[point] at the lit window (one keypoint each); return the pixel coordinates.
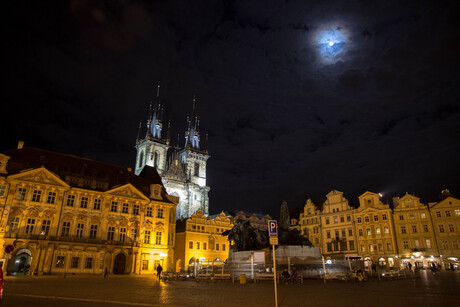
(368, 231)
(158, 238)
(60, 261)
(46, 224)
(147, 237)
(457, 212)
(422, 215)
(411, 216)
(21, 193)
(377, 230)
(428, 243)
(386, 230)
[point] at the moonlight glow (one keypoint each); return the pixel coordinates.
(331, 43)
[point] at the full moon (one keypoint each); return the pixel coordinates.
(331, 43)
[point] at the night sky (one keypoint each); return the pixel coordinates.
(298, 97)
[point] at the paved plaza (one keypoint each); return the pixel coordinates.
(425, 290)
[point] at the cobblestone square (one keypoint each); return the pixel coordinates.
(424, 290)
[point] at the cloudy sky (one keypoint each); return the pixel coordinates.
(298, 97)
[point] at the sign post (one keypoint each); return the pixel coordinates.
(273, 235)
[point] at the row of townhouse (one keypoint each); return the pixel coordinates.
(410, 232)
(65, 214)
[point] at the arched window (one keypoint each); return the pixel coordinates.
(141, 159)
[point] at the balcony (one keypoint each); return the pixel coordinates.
(417, 249)
(71, 239)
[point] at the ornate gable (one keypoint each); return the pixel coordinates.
(127, 190)
(40, 175)
(176, 170)
(3, 161)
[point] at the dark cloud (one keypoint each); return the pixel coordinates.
(283, 123)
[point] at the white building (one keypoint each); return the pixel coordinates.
(182, 170)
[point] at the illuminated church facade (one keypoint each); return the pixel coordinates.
(182, 170)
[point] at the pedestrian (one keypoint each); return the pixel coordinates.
(410, 266)
(159, 270)
(106, 272)
(433, 268)
(285, 276)
(360, 274)
(374, 268)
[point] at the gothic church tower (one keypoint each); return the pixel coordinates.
(184, 173)
(153, 149)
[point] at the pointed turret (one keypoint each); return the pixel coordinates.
(192, 134)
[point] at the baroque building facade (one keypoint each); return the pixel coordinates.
(410, 232)
(65, 214)
(337, 231)
(183, 170)
(199, 241)
(375, 232)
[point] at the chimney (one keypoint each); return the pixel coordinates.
(20, 144)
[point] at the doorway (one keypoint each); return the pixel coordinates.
(119, 264)
(21, 262)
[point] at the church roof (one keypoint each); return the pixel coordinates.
(66, 166)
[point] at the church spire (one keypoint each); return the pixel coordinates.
(192, 134)
(155, 120)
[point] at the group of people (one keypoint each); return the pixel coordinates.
(286, 276)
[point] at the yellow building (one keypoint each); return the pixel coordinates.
(445, 215)
(337, 233)
(65, 214)
(309, 223)
(375, 233)
(199, 241)
(414, 233)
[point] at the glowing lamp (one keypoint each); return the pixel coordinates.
(163, 255)
(202, 258)
(331, 44)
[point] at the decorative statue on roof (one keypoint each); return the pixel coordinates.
(284, 216)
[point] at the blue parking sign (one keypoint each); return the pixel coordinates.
(272, 228)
